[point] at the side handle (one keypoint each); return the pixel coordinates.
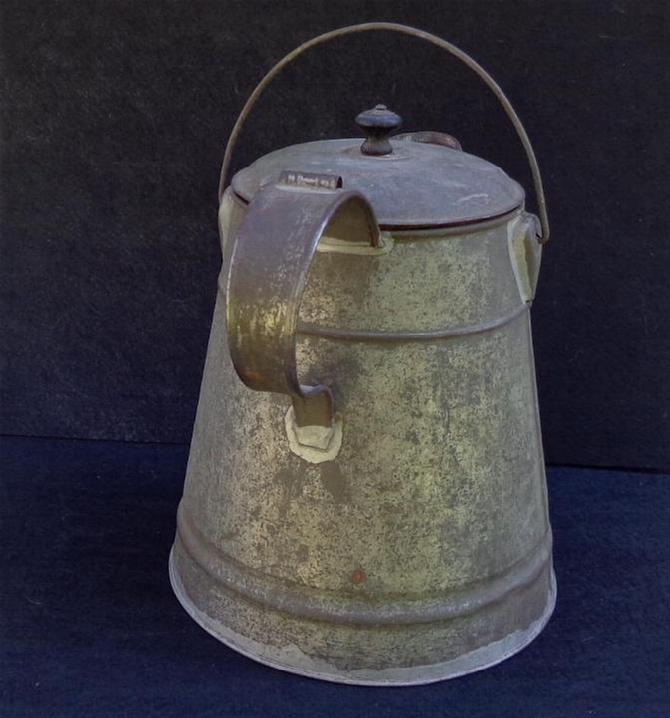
(267, 275)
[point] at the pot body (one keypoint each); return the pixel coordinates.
(422, 549)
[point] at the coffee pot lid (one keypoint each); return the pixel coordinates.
(419, 180)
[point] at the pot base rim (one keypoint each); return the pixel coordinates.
(477, 660)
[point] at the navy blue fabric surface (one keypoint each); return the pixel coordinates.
(90, 626)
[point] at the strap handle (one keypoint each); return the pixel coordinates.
(406, 30)
(267, 275)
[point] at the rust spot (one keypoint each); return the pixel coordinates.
(358, 576)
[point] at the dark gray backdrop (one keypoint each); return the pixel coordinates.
(114, 120)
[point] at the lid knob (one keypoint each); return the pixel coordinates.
(377, 124)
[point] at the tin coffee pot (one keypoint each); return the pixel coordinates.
(365, 499)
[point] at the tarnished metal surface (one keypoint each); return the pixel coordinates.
(290, 657)
(369, 506)
(423, 550)
(417, 185)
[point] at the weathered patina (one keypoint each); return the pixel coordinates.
(365, 499)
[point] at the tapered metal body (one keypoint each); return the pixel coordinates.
(365, 499)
